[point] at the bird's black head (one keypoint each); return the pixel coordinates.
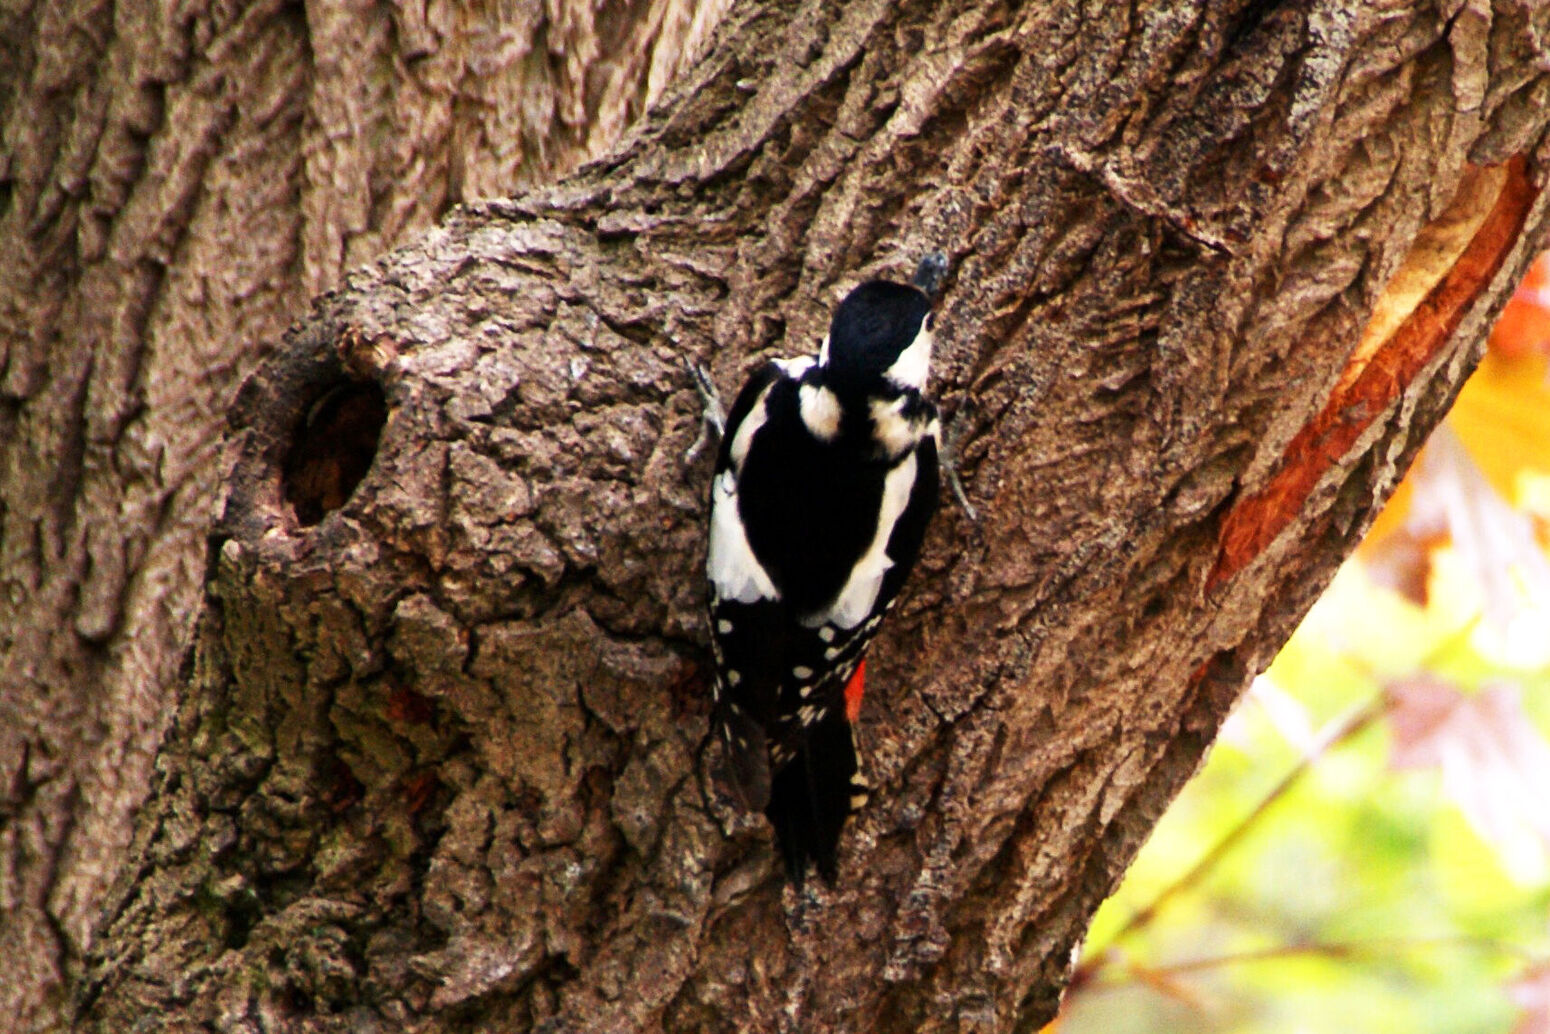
(880, 336)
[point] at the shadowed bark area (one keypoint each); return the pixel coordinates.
(440, 758)
(176, 180)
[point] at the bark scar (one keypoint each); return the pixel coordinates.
(1141, 197)
(1380, 370)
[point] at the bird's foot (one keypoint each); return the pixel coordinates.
(713, 421)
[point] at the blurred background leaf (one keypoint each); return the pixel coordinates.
(1368, 847)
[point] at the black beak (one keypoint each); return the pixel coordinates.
(930, 272)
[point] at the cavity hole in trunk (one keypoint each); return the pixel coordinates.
(333, 449)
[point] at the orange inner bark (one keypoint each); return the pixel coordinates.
(1374, 381)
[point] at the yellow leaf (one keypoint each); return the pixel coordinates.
(1503, 418)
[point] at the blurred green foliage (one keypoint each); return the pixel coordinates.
(1360, 899)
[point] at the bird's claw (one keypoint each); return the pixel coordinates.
(713, 422)
(949, 462)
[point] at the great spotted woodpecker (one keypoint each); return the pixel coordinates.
(823, 487)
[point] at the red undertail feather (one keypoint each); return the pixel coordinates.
(853, 693)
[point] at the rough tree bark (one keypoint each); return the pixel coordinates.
(176, 180)
(439, 761)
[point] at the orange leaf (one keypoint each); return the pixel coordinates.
(1524, 326)
(1522, 329)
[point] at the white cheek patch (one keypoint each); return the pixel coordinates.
(859, 594)
(734, 572)
(914, 363)
(823, 352)
(820, 411)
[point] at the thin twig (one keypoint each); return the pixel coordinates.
(1336, 732)
(1333, 734)
(1161, 976)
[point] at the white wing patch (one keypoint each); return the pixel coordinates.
(859, 594)
(734, 572)
(742, 438)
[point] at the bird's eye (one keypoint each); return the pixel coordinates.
(930, 320)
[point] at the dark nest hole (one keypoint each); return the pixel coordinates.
(333, 449)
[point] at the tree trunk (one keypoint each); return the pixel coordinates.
(175, 181)
(440, 757)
